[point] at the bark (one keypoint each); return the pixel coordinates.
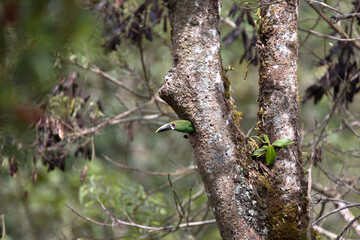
(196, 88)
(279, 111)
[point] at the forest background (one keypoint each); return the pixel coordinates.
(50, 50)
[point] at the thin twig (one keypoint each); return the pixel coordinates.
(328, 36)
(178, 206)
(158, 189)
(346, 213)
(332, 25)
(115, 120)
(87, 218)
(335, 200)
(187, 203)
(339, 129)
(302, 43)
(193, 197)
(325, 5)
(184, 171)
(337, 180)
(327, 233)
(250, 130)
(347, 226)
(345, 16)
(311, 203)
(335, 211)
(348, 125)
(228, 22)
(165, 228)
(97, 70)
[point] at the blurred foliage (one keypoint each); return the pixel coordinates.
(126, 201)
(30, 35)
(49, 51)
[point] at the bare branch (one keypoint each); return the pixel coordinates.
(178, 206)
(327, 233)
(228, 22)
(339, 129)
(328, 36)
(167, 228)
(334, 200)
(325, 5)
(97, 70)
(311, 203)
(349, 126)
(337, 180)
(184, 171)
(344, 16)
(348, 226)
(117, 119)
(87, 218)
(345, 214)
(335, 211)
(193, 197)
(132, 224)
(333, 26)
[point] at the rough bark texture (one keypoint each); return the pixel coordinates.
(195, 88)
(247, 204)
(278, 117)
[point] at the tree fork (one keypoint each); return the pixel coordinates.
(194, 88)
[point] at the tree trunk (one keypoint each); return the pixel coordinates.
(197, 89)
(278, 116)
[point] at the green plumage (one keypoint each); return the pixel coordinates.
(184, 126)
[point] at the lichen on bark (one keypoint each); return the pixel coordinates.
(246, 204)
(285, 194)
(197, 90)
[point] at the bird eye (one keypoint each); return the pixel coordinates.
(173, 124)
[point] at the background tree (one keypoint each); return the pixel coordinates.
(245, 193)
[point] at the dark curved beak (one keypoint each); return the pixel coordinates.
(165, 127)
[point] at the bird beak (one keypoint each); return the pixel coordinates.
(165, 127)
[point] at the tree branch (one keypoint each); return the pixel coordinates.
(342, 16)
(118, 119)
(327, 233)
(332, 25)
(185, 171)
(329, 37)
(335, 211)
(345, 213)
(97, 70)
(348, 226)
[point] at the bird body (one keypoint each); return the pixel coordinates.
(184, 126)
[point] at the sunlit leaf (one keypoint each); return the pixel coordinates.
(260, 151)
(270, 155)
(284, 142)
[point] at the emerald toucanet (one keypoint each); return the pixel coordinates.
(184, 126)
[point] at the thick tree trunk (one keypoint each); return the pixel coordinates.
(196, 88)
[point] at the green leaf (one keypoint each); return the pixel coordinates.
(284, 142)
(260, 151)
(270, 155)
(266, 138)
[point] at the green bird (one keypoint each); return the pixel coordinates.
(184, 126)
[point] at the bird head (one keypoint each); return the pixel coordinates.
(184, 126)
